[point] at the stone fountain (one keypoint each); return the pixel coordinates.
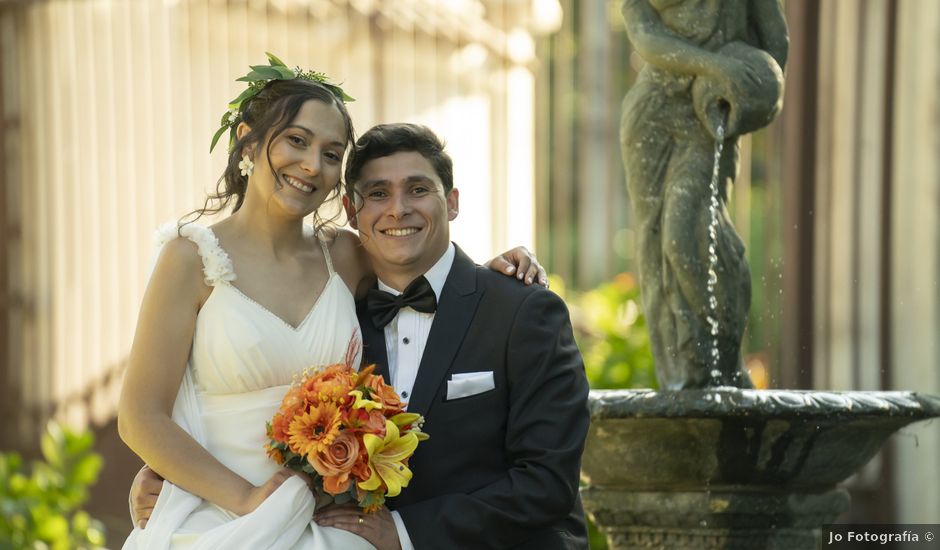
(710, 462)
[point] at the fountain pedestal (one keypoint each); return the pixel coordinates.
(727, 468)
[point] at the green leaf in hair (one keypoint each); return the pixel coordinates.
(259, 77)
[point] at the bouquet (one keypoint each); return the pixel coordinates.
(348, 431)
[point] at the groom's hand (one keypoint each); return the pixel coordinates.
(143, 496)
(378, 528)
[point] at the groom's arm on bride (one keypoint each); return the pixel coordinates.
(157, 361)
(546, 426)
(145, 489)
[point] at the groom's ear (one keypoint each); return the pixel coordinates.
(350, 209)
(453, 204)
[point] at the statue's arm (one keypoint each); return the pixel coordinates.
(766, 18)
(661, 47)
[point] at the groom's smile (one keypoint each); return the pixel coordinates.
(402, 232)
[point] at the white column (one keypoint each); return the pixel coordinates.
(915, 273)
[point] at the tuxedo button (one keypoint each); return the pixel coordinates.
(405, 340)
(404, 394)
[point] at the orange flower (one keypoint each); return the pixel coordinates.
(314, 430)
(333, 384)
(275, 454)
(361, 470)
(291, 406)
(336, 463)
(385, 394)
(293, 399)
(279, 425)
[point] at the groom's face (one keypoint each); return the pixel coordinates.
(403, 214)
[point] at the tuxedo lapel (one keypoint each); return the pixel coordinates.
(373, 342)
(455, 311)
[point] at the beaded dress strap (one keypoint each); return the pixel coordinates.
(326, 254)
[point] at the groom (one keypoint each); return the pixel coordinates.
(490, 363)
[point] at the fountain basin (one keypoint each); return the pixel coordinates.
(729, 468)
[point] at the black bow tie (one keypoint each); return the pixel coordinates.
(384, 306)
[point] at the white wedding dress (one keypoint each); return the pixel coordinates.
(242, 361)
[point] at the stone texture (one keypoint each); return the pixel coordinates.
(708, 62)
(730, 468)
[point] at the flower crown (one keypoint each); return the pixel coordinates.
(257, 79)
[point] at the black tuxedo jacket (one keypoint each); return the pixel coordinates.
(501, 468)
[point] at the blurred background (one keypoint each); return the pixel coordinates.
(107, 108)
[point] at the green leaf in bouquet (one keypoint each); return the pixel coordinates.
(347, 497)
(372, 498)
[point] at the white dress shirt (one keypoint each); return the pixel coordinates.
(407, 334)
(405, 339)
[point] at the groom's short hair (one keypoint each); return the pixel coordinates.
(387, 139)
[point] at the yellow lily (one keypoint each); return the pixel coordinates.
(361, 403)
(385, 459)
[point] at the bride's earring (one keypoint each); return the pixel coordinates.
(246, 166)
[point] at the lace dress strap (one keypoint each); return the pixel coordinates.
(216, 265)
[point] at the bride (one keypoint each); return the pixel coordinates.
(233, 311)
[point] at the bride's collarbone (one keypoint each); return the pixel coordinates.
(288, 287)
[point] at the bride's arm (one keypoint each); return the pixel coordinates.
(155, 369)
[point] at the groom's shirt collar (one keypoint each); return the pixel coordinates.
(437, 275)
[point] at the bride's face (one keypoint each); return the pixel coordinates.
(306, 161)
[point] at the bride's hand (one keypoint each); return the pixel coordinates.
(521, 262)
(256, 495)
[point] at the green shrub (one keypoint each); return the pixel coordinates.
(611, 332)
(42, 508)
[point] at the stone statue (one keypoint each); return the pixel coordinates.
(710, 63)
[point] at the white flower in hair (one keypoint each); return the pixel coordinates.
(246, 166)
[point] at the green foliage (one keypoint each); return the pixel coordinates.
(41, 509)
(611, 332)
(257, 79)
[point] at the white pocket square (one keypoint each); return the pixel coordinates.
(465, 384)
